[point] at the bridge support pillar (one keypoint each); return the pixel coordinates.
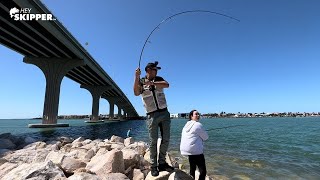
(111, 110)
(124, 110)
(54, 70)
(96, 92)
(123, 114)
(119, 113)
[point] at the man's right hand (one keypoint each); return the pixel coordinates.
(138, 73)
(136, 86)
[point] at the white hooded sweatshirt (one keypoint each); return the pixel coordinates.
(192, 138)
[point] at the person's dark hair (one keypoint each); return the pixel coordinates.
(152, 65)
(191, 114)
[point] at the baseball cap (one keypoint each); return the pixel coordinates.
(152, 65)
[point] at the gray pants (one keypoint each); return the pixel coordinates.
(157, 120)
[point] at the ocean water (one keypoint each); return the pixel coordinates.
(237, 148)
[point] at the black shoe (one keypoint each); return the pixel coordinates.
(154, 171)
(165, 167)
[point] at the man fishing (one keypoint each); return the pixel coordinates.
(151, 89)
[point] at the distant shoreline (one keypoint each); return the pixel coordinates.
(249, 115)
(204, 117)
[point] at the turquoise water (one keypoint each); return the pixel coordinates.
(252, 148)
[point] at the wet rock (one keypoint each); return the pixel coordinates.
(6, 144)
(4, 152)
(5, 136)
(29, 140)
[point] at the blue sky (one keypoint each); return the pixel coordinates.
(268, 62)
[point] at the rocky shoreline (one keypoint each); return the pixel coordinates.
(80, 159)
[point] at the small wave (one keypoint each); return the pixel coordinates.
(250, 163)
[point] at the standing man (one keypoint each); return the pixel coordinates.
(151, 89)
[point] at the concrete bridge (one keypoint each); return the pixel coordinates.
(48, 45)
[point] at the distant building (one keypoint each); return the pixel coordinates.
(183, 115)
(174, 115)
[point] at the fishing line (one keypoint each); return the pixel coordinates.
(224, 127)
(184, 12)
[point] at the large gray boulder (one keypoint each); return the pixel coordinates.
(115, 176)
(70, 164)
(27, 156)
(36, 145)
(6, 168)
(84, 176)
(140, 147)
(55, 157)
(89, 145)
(130, 158)
(116, 139)
(117, 145)
(128, 141)
(39, 171)
(111, 162)
(77, 153)
(87, 141)
(76, 144)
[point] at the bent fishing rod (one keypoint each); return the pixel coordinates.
(184, 12)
